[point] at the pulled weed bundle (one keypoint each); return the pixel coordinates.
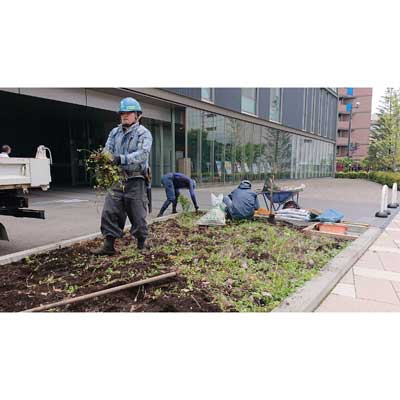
(106, 174)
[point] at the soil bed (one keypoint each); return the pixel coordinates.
(243, 266)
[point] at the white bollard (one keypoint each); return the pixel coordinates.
(382, 212)
(394, 203)
(386, 188)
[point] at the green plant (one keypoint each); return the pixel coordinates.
(384, 148)
(71, 289)
(28, 260)
(346, 162)
(365, 163)
(352, 175)
(185, 203)
(157, 293)
(385, 178)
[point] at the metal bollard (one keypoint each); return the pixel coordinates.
(382, 212)
(394, 203)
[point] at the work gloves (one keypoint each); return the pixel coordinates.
(117, 160)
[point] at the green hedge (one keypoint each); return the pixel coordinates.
(384, 178)
(352, 175)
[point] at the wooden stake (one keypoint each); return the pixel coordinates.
(102, 292)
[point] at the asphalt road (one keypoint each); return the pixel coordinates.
(73, 212)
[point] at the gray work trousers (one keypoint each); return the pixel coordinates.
(131, 202)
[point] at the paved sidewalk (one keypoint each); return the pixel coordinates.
(373, 283)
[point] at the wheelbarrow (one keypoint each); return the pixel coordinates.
(280, 198)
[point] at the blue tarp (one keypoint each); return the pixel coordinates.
(330, 216)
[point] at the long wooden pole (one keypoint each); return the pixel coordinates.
(103, 292)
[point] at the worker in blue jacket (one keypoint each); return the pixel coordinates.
(172, 182)
(130, 145)
(242, 202)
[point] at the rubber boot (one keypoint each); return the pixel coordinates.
(174, 208)
(160, 214)
(141, 244)
(107, 249)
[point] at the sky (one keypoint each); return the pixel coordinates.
(377, 93)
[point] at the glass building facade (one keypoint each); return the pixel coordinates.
(217, 135)
(227, 150)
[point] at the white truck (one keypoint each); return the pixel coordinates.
(17, 176)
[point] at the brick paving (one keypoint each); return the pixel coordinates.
(373, 283)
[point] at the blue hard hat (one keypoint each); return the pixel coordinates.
(129, 104)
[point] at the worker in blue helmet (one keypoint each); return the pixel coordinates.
(130, 145)
(129, 104)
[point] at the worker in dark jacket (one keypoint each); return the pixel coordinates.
(172, 182)
(242, 202)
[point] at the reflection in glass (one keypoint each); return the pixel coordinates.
(207, 94)
(275, 105)
(249, 100)
(227, 150)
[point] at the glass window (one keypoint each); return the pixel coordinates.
(194, 134)
(208, 128)
(275, 105)
(239, 144)
(234, 133)
(293, 139)
(307, 157)
(318, 157)
(309, 109)
(249, 100)
(266, 153)
(229, 148)
(305, 111)
(298, 157)
(207, 94)
(255, 168)
(301, 159)
(248, 151)
(282, 154)
(313, 160)
(167, 150)
(320, 111)
(327, 116)
(325, 159)
(219, 148)
(313, 109)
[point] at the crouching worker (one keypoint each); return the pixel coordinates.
(130, 144)
(242, 202)
(172, 182)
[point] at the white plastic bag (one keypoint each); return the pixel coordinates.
(216, 216)
(217, 200)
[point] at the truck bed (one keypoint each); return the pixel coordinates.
(24, 173)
